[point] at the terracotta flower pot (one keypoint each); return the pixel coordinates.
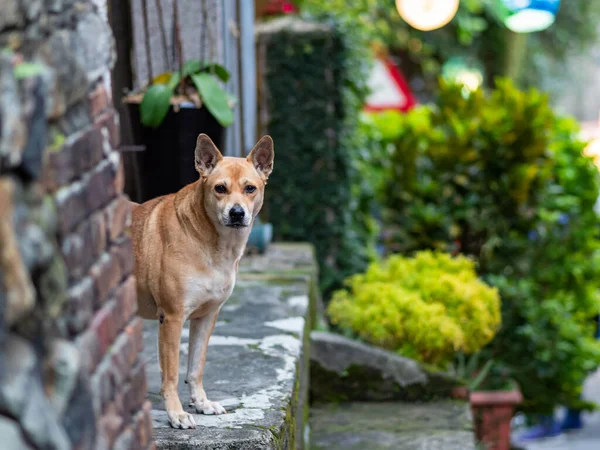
(492, 413)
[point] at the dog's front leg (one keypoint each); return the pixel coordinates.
(169, 338)
(200, 332)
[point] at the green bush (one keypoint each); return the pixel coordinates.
(427, 307)
(315, 77)
(501, 178)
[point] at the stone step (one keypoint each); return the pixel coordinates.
(440, 425)
(255, 365)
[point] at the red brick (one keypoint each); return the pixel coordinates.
(98, 231)
(59, 169)
(71, 206)
(103, 325)
(89, 350)
(126, 298)
(135, 394)
(80, 306)
(106, 274)
(138, 379)
(147, 412)
(135, 333)
(120, 176)
(143, 425)
(87, 151)
(110, 121)
(110, 425)
(118, 217)
(120, 359)
(101, 188)
(99, 100)
(102, 386)
(123, 251)
(76, 253)
(125, 441)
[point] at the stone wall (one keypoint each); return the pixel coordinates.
(70, 371)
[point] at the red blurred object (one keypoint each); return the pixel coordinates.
(389, 88)
(278, 7)
(492, 413)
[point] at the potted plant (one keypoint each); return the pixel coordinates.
(493, 397)
(168, 115)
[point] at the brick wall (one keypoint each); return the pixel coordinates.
(71, 375)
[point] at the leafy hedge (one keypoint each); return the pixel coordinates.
(427, 307)
(499, 177)
(315, 80)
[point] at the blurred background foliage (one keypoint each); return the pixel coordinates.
(493, 174)
(475, 35)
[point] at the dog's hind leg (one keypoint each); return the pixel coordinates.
(200, 332)
(169, 338)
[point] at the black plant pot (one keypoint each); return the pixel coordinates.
(167, 163)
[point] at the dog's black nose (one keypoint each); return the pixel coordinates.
(236, 213)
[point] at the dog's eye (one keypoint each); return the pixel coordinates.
(250, 189)
(220, 189)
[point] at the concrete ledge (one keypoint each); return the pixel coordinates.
(345, 370)
(257, 364)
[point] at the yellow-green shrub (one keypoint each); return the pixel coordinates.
(426, 307)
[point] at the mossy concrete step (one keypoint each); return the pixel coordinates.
(257, 365)
(441, 425)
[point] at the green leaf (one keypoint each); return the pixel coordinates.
(27, 70)
(213, 97)
(174, 81)
(219, 71)
(194, 66)
(155, 105)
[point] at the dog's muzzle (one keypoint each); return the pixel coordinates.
(237, 217)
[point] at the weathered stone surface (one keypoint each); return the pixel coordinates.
(67, 81)
(392, 426)
(35, 92)
(12, 438)
(53, 392)
(254, 369)
(62, 371)
(77, 419)
(16, 282)
(13, 134)
(346, 370)
(11, 14)
(22, 396)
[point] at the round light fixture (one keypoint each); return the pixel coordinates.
(427, 15)
(527, 16)
(465, 73)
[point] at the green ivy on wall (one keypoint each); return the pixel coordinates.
(315, 79)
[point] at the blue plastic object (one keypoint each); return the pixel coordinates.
(260, 236)
(527, 16)
(547, 427)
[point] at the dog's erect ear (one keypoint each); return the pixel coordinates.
(262, 156)
(207, 155)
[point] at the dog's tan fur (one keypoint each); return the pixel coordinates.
(187, 255)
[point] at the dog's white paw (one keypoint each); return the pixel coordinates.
(181, 419)
(209, 408)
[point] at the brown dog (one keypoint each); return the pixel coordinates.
(187, 249)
